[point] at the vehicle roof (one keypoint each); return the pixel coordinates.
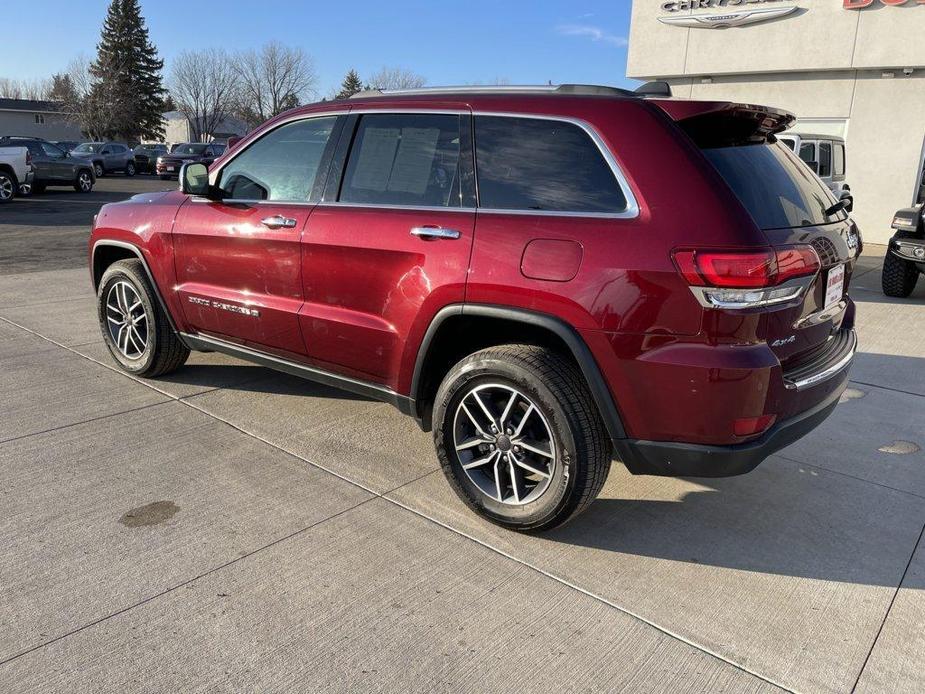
(812, 136)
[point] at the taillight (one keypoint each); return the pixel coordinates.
(28, 158)
(747, 279)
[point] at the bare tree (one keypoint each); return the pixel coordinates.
(24, 89)
(204, 84)
(396, 78)
(273, 79)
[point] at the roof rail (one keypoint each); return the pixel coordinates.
(657, 88)
(580, 89)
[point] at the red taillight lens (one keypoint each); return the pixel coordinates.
(745, 269)
(747, 426)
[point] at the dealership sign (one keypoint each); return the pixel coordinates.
(729, 18)
(861, 4)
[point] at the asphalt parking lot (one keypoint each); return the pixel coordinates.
(229, 528)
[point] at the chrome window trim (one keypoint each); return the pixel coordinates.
(828, 372)
(630, 212)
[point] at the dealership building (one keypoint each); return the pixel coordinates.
(851, 68)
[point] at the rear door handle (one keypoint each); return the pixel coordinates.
(434, 233)
(277, 221)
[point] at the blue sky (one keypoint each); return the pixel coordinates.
(447, 43)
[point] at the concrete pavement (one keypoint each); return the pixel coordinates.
(233, 529)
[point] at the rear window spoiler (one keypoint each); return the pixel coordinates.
(725, 124)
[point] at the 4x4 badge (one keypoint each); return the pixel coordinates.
(784, 341)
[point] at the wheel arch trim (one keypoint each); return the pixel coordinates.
(137, 252)
(580, 351)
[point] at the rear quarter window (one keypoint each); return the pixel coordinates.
(543, 165)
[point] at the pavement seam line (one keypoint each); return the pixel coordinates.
(888, 610)
(562, 581)
(895, 390)
(83, 421)
(46, 303)
(171, 589)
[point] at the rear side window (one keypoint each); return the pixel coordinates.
(539, 164)
(281, 165)
(773, 185)
(808, 152)
(409, 159)
(825, 158)
(838, 159)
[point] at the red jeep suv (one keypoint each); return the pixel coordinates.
(546, 277)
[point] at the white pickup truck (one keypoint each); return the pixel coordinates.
(15, 172)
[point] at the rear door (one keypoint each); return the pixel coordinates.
(238, 260)
(389, 244)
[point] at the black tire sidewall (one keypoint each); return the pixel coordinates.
(476, 371)
(98, 170)
(116, 272)
(130, 169)
(5, 175)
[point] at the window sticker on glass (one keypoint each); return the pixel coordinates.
(374, 163)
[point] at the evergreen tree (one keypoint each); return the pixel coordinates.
(351, 85)
(62, 90)
(127, 94)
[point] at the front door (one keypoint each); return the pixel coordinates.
(238, 258)
(390, 243)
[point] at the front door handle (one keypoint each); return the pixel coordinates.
(434, 233)
(277, 221)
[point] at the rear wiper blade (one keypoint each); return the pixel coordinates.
(838, 206)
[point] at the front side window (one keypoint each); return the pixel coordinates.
(88, 148)
(52, 151)
(825, 159)
(538, 164)
(409, 159)
(839, 159)
(281, 165)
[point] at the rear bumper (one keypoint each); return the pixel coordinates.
(674, 459)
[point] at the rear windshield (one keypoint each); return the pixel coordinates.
(190, 149)
(777, 189)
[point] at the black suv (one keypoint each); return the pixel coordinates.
(53, 166)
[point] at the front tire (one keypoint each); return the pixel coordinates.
(134, 327)
(519, 437)
(84, 181)
(899, 276)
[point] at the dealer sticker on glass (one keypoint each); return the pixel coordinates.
(835, 285)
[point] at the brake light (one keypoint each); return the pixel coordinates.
(747, 279)
(748, 269)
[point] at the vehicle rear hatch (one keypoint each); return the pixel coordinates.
(792, 207)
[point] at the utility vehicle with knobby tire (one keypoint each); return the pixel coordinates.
(546, 278)
(905, 256)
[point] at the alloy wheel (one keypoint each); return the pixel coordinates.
(6, 188)
(85, 182)
(504, 444)
(98, 170)
(126, 320)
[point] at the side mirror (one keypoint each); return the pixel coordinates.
(814, 165)
(849, 203)
(194, 179)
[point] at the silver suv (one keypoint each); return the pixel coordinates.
(106, 157)
(825, 155)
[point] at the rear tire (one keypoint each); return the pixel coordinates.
(549, 454)
(134, 327)
(899, 276)
(98, 170)
(8, 188)
(130, 169)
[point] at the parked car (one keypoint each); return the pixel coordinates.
(106, 157)
(826, 156)
(52, 166)
(564, 301)
(66, 145)
(146, 157)
(15, 172)
(168, 165)
(905, 257)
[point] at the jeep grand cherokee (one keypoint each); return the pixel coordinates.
(546, 278)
